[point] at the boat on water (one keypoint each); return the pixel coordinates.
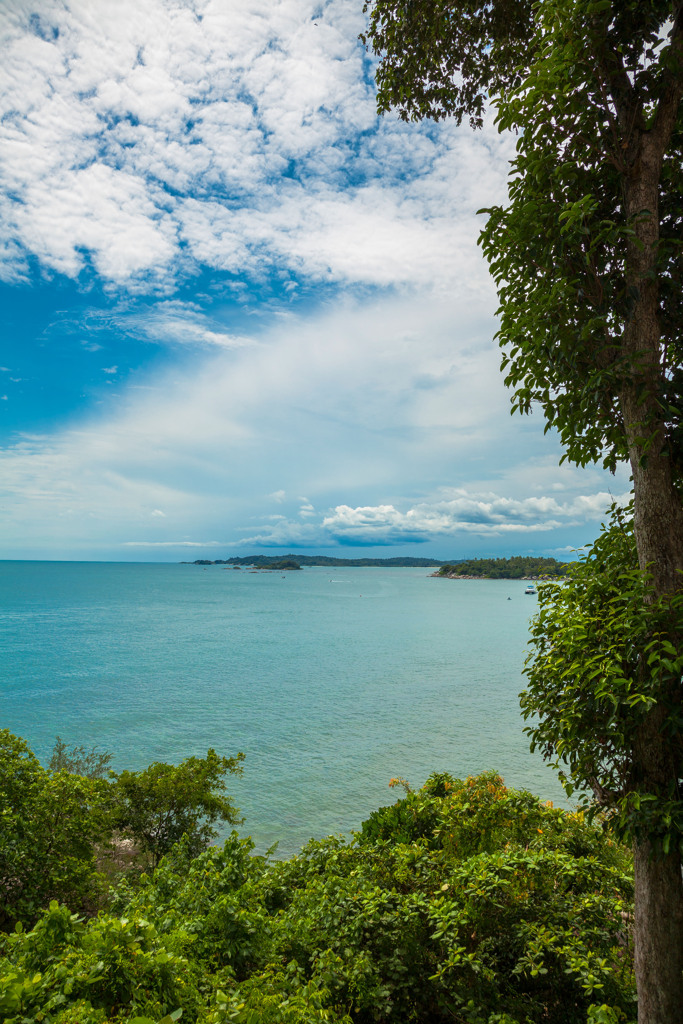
(531, 589)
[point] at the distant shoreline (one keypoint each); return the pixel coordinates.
(507, 579)
(265, 561)
(519, 567)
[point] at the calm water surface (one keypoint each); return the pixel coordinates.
(330, 681)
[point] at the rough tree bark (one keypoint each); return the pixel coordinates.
(658, 523)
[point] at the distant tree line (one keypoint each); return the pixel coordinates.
(517, 568)
(266, 561)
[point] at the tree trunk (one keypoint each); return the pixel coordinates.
(657, 931)
(658, 521)
(658, 512)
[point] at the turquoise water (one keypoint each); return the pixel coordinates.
(330, 681)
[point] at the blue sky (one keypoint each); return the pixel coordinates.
(241, 313)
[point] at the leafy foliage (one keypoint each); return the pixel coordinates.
(164, 802)
(54, 823)
(463, 901)
(601, 660)
(107, 966)
(442, 59)
(584, 84)
(90, 763)
(565, 239)
(50, 823)
(588, 263)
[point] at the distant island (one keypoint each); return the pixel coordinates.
(520, 567)
(275, 561)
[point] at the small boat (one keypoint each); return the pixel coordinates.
(530, 589)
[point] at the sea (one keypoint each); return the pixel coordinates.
(332, 681)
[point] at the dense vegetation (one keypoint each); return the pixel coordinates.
(517, 568)
(54, 823)
(462, 902)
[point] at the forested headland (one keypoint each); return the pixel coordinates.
(519, 567)
(461, 901)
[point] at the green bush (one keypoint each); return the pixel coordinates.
(164, 802)
(463, 901)
(476, 902)
(110, 965)
(50, 824)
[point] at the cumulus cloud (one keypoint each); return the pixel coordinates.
(144, 138)
(467, 514)
(483, 515)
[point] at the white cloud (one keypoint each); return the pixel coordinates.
(489, 514)
(167, 321)
(148, 136)
(337, 406)
(176, 322)
(469, 515)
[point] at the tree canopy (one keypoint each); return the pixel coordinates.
(162, 803)
(50, 823)
(57, 822)
(593, 90)
(79, 760)
(588, 260)
(443, 59)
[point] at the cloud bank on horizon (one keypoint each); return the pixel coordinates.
(242, 311)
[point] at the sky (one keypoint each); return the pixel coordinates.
(240, 313)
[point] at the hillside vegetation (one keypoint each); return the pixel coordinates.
(517, 568)
(462, 902)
